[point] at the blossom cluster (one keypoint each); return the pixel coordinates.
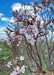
(19, 69)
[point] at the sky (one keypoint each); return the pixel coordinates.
(5, 8)
(5, 13)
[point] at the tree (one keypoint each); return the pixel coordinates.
(31, 28)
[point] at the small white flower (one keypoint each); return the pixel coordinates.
(23, 69)
(8, 44)
(46, 51)
(5, 58)
(51, 63)
(42, 21)
(22, 58)
(14, 73)
(32, 41)
(35, 31)
(0, 49)
(17, 45)
(28, 37)
(17, 69)
(9, 64)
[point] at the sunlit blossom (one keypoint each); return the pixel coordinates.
(0, 49)
(23, 69)
(14, 73)
(28, 36)
(41, 26)
(5, 58)
(22, 58)
(17, 69)
(26, 67)
(32, 41)
(22, 31)
(9, 64)
(17, 44)
(51, 63)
